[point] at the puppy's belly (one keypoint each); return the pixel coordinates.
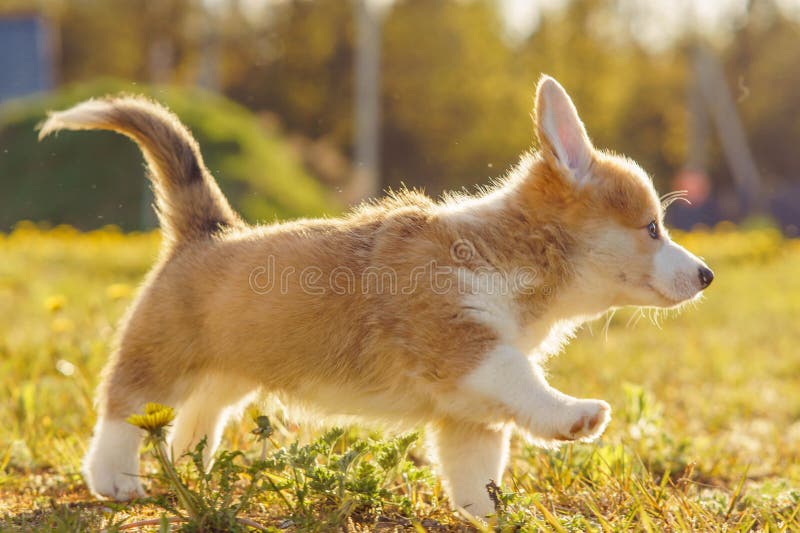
(392, 405)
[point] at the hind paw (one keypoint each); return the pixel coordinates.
(111, 466)
(119, 487)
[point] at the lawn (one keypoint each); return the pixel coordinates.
(705, 433)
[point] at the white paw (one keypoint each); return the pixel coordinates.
(116, 486)
(111, 467)
(478, 505)
(586, 421)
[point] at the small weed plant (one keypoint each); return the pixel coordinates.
(318, 486)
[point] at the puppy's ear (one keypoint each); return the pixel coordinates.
(565, 145)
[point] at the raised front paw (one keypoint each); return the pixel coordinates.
(587, 419)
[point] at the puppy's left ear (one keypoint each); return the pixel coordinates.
(565, 144)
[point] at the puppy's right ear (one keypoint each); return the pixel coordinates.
(565, 145)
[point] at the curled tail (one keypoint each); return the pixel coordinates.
(189, 202)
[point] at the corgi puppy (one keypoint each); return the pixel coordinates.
(406, 309)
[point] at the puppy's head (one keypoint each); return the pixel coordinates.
(623, 253)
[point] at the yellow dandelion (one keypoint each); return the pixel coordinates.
(152, 407)
(154, 419)
(55, 302)
(253, 412)
(62, 325)
(118, 291)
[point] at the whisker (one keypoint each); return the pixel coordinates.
(671, 197)
(635, 317)
(654, 317)
(610, 315)
(672, 194)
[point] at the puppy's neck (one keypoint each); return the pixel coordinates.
(520, 230)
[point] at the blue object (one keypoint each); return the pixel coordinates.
(26, 62)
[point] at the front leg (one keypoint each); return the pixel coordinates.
(507, 380)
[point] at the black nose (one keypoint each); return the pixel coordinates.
(706, 277)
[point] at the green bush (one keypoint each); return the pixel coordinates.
(90, 179)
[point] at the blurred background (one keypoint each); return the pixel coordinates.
(303, 107)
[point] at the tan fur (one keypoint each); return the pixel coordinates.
(392, 354)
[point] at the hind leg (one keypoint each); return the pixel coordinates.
(197, 418)
(469, 456)
(204, 415)
(111, 465)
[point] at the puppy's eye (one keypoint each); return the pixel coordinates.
(652, 229)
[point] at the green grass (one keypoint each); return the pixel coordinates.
(705, 434)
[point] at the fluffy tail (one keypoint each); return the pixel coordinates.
(188, 201)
